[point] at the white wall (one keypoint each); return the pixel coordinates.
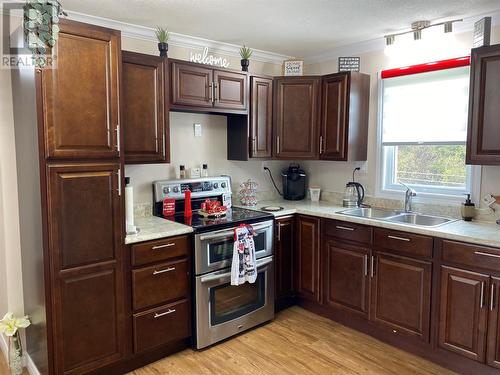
(333, 176)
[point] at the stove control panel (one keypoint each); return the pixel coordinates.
(199, 187)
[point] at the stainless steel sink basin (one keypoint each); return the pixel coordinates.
(418, 219)
(410, 218)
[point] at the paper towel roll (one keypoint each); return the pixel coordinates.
(129, 210)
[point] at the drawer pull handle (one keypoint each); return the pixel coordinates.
(345, 228)
(399, 238)
(170, 311)
(486, 254)
(163, 246)
(169, 269)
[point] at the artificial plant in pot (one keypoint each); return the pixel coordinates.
(162, 35)
(245, 54)
(9, 326)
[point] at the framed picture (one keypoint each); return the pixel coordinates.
(293, 68)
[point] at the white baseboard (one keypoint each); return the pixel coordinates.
(28, 362)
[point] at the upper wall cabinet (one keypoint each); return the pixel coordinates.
(145, 108)
(483, 136)
(344, 116)
(195, 87)
(80, 98)
(261, 117)
(296, 109)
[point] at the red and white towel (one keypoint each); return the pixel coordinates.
(244, 266)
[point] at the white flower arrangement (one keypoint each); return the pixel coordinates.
(9, 325)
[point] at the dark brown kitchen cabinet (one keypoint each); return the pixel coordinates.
(84, 232)
(483, 134)
(79, 106)
(493, 347)
(463, 313)
(346, 280)
(296, 117)
(401, 294)
(283, 252)
(145, 108)
(261, 117)
(344, 116)
(230, 90)
(307, 259)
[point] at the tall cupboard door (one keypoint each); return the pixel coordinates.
(284, 241)
(261, 117)
(85, 238)
(79, 99)
(230, 90)
(483, 135)
(493, 349)
(192, 85)
(308, 258)
(145, 109)
(296, 108)
(463, 312)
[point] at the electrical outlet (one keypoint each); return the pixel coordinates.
(197, 130)
(263, 166)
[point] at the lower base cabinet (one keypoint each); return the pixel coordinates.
(307, 258)
(283, 253)
(493, 345)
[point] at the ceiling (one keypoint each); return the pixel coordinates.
(300, 28)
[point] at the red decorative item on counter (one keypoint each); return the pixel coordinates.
(168, 207)
(187, 204)
(212, 208)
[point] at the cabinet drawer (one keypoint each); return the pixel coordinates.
(348, 231)
(161, 250)
(160, 326)
(471, 255)
(159, 283)
(403, 242)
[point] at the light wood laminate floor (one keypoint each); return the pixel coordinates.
(296, 342)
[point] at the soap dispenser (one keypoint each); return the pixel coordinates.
(468, 209)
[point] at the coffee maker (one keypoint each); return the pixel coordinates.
(294, 183)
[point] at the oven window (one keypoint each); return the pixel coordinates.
(228, 302)
(223, 249)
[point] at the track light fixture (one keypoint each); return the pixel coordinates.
(417, 27)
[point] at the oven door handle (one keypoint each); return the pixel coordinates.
(208, 278)
(231, 232)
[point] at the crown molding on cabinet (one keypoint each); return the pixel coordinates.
(379, 43)
(179, 40)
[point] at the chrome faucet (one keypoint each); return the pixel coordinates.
(410, 193)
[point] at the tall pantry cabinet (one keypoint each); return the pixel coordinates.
(81, 179)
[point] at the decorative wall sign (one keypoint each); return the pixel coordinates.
(293, 67)
(349, 64)
(482, 32)
(205, 58)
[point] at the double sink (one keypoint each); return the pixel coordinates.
(400, 217)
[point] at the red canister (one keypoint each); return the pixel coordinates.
(187, 204)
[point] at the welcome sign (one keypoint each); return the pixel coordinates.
(205, 58)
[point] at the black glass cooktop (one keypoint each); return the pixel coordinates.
(234, 217)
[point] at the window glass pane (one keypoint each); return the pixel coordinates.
(431, 166)
(426, 107)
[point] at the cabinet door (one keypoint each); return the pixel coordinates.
(334, 117)
(230, 90)
(483, 136)
(85, 239)
(493, 349)
(283, 252)
(296, 118)
(191, 85)
(145, 113)
(346, 277)
(261, 117)
(401, 295)
(463, 312)
(307, 258)
(79, 99)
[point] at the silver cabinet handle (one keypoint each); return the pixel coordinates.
(215, 91)
(162, 246)
(119, 188)
(117, 129)
(399, 238)
(492, 296)
(486, 254)
(169, 269)
(345, 228)
(366, 264)
(321, 145)
(254, 144)
(277, 144)
(210, 92)
(481, 301)
(159, 315)
(372, 269)
(279, 231)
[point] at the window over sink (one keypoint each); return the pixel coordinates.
(423, 131)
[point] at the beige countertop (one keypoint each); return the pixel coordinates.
(481, 233)
(153, 228)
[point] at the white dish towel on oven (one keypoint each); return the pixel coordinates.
(244, 266)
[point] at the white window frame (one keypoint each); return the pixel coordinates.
(424, 194)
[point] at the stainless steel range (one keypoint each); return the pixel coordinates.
(222, 310)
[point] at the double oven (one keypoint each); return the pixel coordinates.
(222, 310)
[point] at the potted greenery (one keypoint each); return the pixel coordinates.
(245, 54)
(162, 35)
(10, 326)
